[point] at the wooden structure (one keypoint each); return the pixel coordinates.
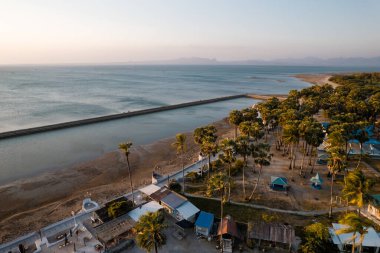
(271, 232)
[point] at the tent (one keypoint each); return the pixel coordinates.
(204, 223)
(279, 183)
(316, 181)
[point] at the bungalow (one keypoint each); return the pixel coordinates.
(204, 223)
(175, 204)
(279, 183)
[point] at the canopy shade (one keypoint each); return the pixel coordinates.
(279, 181)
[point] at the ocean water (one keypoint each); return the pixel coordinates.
(39, 95)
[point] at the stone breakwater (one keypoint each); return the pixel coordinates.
(76, 123)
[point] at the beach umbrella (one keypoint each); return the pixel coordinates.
(316, 180)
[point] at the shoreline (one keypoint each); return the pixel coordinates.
(34, 206)
(101, 179)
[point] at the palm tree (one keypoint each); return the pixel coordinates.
(243, 148)
(314, 136)
(235, 118)
(356, 225)
(210, 149)
(218, 183)
(336, 163)
(180, 145)
(262, 157)
(357, 188)
(126, 147)
(291, 137)
(149, 230)
(228, 148)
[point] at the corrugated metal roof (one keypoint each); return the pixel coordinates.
(228, 226)
(274, 232)
(173, 200)
(205, 220)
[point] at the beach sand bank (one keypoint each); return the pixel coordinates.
(35, 202)
(317, 79)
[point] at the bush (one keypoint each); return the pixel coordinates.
(175, 186)
(192, 176)
(119, 208)
(217, 164)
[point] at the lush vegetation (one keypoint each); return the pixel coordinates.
(149, 230)
(119, 208)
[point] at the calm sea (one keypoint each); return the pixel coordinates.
(39, 95)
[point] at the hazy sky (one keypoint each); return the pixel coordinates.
(95, 31)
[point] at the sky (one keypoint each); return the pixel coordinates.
(105, 31)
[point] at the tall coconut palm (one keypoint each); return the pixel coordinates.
(357, 188)
(356, 225)
(336, 163)
(262, 157)
(209, 148)
(150, 233)
(314, 136)
(228, 147)
(180, 145)
(126, 149)
(291, 137)
(235, 118)
(218, 184)
(243, 148)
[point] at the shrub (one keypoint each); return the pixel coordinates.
(175, 186)
(119, 208)
(192, 176)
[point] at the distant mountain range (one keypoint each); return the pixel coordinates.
(307, 61)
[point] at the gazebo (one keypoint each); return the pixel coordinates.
(316, 182)
(279, 183)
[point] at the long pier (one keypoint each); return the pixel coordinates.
(82, 122)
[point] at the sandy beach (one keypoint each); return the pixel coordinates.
(35, 202)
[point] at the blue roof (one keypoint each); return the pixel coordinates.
(205, 220)
(279, 181)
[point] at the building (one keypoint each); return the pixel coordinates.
(204, 223)
(175, 204)
(371, 241)
(374, 206)
(271, 232)
(229, 233)
(279, 183)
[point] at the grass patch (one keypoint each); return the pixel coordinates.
(245, 214)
